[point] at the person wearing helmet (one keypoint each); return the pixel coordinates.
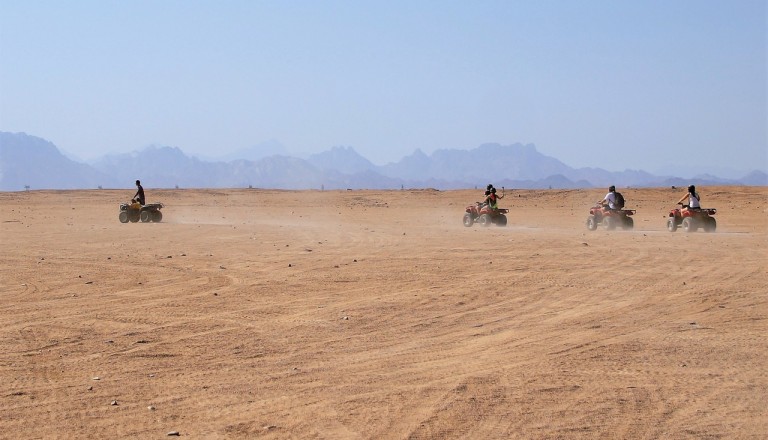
(488, 189)
(693, 199)
(487, 194)
(610, 199)
(139, 196)
(493, 198)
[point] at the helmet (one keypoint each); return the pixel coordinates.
(692, 188)
(489, 187)
(612, 188)
(493, 190)
(138, 182)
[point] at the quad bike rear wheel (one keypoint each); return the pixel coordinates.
(689, 224)
(591, 222)
(123, 217)
(145, 216)
(671, 224)
(467, 220)
(710, 225)
(629, 223)
(501, 220)
(484, 220)
(157, 216)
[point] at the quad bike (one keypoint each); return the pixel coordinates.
(611, 218)
(692, 219)
(484, 215)
(135, 211)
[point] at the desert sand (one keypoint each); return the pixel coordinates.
(254, 313)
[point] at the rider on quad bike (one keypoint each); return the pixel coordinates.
(138, 209)
(610, 212)
(487, 211)
(694, 200)
(493, 199)
(692, 216)
(139, 196)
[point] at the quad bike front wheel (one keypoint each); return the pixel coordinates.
(468, 220)
(610, 223)
(123, 217)
(671, 224)
(591, 222)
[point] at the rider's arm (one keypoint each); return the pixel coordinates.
(684, 197)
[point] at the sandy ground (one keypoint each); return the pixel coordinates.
(378, 315)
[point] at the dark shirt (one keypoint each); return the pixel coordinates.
(140, 194)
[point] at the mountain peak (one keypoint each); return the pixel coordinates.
(342, 159)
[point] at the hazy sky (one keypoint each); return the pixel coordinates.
(615, 84)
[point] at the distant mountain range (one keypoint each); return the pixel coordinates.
(29, 162)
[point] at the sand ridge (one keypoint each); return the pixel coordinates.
(377, 314)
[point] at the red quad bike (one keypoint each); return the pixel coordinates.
(134, 211)
(484, 215)
(692, 219)
(611, 218)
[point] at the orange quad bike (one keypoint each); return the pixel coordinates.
(484, 215)
(691, 220)
(135, 211)
(610, 218)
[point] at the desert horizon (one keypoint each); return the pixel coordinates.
(255, 313)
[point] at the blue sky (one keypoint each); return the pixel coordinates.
(653, 85)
